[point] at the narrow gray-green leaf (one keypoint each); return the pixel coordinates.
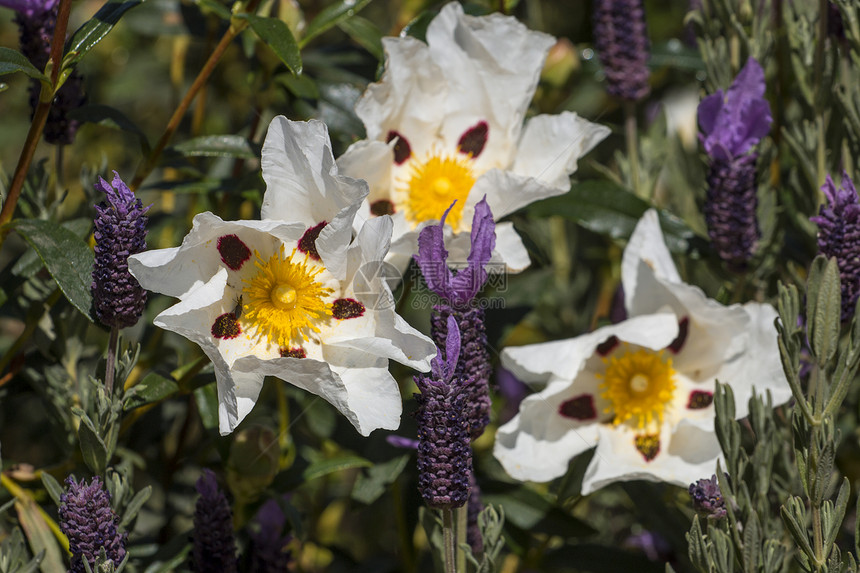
(217, 146)
(332, 16)
(825, 309)
(134, 506)
(366, 34)
(53, 487)
(96, 28)
(66, 256)
(277, 35)
(12, 61)
(39, 535)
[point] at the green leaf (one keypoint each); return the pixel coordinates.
(12, 61)
(300, 86)
(53, 487)
(217, 146)
(332, 16)
(214, 7)
(139, 499)
(331, 465)
(93, 448)
(94, 29)
(368, 487)
(610, 209)
(152, 388)
(366, 34)
(66, 256)
(39, 535)
(107, 116)
(824, 309)
(277, 35)
(207, 405)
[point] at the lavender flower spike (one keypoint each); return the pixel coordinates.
(707, 498)
(90, 524)
(120, 231)
(444, 455)
(731, 126)
(214, 543)
(621, 39)
(457, 293)
(839, 236)
(268, 542)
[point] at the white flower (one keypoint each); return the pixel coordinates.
(641, 390)
(446, 123)
(293, 295)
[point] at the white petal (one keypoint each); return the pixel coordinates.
(646, 247)
(371, 161)
(509, 255)
(507, 192)
(301, 177)
(551, 145)
(565, 358)
(492, 63)
(688, 454)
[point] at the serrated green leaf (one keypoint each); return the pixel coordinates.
(107, 116)
(332, 16)
(39, 535)
(824, 310)
(217, 146)
(95, 29)
(66, 256)
(336, 464)
(152, 388)
(371, 485)
(366, 33)
(53, 487)
(610, 209)
(12, 61)
(277, 35)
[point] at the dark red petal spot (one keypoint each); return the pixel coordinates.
(683, 329)
(474, 139)
(344, 308)
(579, 408)
(382, 207)
(226, 326)
(233, 251)
(607, 345)
(402, 150)
(286, 352)
(700, 399)
(308, 242)
(648, 445)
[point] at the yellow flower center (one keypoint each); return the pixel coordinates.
(639, 386)
(284, 300)
(435, 184)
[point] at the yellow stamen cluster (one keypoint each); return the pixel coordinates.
(436, 183)
(639, 386)
(284, 300)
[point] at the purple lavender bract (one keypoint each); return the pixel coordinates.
(214, 543)
(707, 498)
(120, 231)
(268, 542)
(621, 39)
(839, 236)
(732, 124)
(444, 452)
(89, 522)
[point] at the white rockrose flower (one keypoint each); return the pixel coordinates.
(641, 391)
(293, 295)
(445, 124)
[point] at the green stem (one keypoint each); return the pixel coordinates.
(448, 540)
(40, 117)
(462, 527)
(110, 370)
(234, 30)
(632, 147)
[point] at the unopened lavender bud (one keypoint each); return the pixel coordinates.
(214, 548)
(707, 498)
(90, 524)
(621, 40)
(120, 231)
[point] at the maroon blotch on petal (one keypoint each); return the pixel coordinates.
(402, 150)
(648, 445)
(607, 345)
(700, 399)
(308, 242)
(579, 408)
(344, 308)
(474, 139)
(233, 251)
(287, 352)
(226, 326)
(382, 207)
(683, 330)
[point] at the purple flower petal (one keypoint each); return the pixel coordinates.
(452, 346)
(432, 258)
